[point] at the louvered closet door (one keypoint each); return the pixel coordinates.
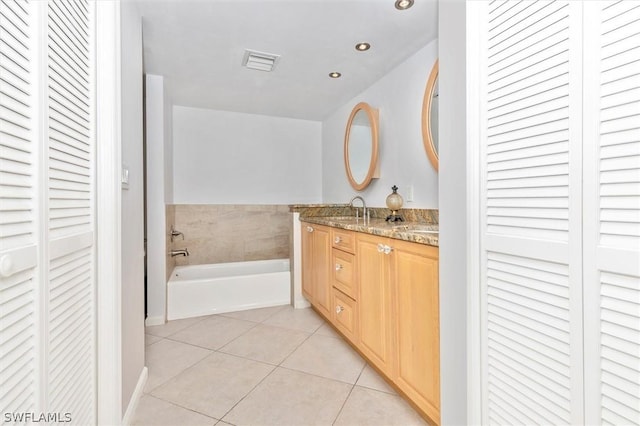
(71, 294)
(531, 217)
(47, 310)
(18, 210)
(612, 213)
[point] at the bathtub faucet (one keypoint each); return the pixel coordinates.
(183, 252)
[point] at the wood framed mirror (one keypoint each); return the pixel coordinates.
(361, 146)
(430, 107)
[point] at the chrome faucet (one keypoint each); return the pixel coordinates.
(183, 252)
(364, 206)
(175, 233)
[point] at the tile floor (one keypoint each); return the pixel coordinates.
(272, 366)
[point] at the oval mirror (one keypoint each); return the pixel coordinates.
(361, 146)
(430, 117)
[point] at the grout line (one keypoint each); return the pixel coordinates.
(249, 392)
(175, 404)
(350, 392)
(216, 349)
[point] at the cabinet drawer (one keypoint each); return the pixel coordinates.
(345, 314)
(342, 239)
(344, 272)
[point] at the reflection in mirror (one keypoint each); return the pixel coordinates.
(361, 146)
(430, 117)
(433, 116)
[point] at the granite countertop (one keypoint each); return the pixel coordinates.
(416, 232)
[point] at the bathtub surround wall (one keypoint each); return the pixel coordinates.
(403, 160)
(231, 233)
(222, 157)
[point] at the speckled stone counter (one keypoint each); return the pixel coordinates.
(420, 225)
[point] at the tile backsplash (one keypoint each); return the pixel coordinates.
(220, 233)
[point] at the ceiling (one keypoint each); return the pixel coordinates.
(198, 46)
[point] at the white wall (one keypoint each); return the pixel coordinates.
(157, 140)
(132, 202)
(222, 157)
(168, 148)
(403, 160)
(453, 205)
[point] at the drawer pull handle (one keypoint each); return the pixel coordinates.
(339, 309)
(309, 229)
(337, 240)
(338, 266)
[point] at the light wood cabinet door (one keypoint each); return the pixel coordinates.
(321, 281)
(414, 273)
(374, 301)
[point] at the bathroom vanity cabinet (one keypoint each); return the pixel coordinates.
(384, 300)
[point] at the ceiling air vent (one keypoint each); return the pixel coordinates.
(260, 61)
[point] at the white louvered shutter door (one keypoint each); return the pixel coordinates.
(71, 175)
(47, 181)
(531, 218)
(18, 211)
(612, 212)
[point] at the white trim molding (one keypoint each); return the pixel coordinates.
(135, 398)
(108, 248)
(159, 320)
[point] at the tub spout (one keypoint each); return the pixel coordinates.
(183, 252)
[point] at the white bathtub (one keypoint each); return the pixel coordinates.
(226, 287)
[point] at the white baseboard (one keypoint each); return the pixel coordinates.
(135, 398)
(301, 303)
(154, 321)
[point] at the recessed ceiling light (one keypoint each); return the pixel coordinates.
(361, 47)
(403, 4)
(334, 74)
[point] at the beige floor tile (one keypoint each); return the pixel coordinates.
(170, 327)
(215, 384)
(296, 319)
(329, 357)
(326, 330)
(266, 343)
(288, 397)
(167, 358)
(150, 339)
(213, 332)
(372, 380)
(154, 411)
(256, 315)
(368, 407)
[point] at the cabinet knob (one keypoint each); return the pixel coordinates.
(309, 229)
(380, 248)
(337, 240)
(339, 309)
(338, 266)
(388, 249)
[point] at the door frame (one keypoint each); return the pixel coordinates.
(108, 211)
